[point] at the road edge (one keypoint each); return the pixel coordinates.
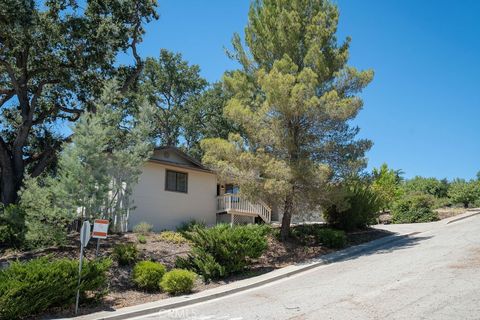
(242, 285)
(466, 215)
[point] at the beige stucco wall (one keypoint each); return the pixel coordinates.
(167, 209)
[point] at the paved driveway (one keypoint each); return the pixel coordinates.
(432, 275)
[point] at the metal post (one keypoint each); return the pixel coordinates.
(79, 279)
(98, 247)
(231, 219)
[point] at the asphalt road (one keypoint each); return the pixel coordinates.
(431, 275)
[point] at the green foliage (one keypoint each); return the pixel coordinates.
(46, 221)
(31, 287)
(191, 225)
(172, 237)
(431, 186)
(386, 184)
(331, 238)
(294, 98)
(141, 239)
(168, 82)
(96, 171)
(464, 192)
(223, 250)
(148, 274)
(12, 226)
(125, 254)
(204, 118)
(143, 228)
(68, 49)
(178, 281)
(414, 208)
(357, 208)
(309, 234)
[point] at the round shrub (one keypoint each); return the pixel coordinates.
(141, 239)
(125, 254)
(172, 237)
(414, 208)
(178, 281)
(147, 274)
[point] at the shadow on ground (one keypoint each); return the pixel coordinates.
(395, 243)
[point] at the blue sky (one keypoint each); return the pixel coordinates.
(422, 110)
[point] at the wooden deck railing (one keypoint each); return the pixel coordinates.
(232, 203)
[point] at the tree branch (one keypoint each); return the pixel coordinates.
(138, 60)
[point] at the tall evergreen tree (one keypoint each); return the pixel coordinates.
(294, 98)
(54, 59)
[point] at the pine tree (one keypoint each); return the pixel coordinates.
(293, 98)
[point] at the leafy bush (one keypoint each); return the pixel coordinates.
(331, 238)
(431, 186)
(442, 203)
(147, 274)
(305, 233)
(46, 223)
(141, 239)
(414, 208)
(27, 288)
(125, 254)
(360, 210)
(172, 237)
(190, 226)
(223, 250)
(464, 192)
(143, 228)
(12, 226)
(309, 234)
(178, 281)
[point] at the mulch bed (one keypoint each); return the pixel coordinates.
(123, 293)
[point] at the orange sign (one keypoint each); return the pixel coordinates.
(100, 229)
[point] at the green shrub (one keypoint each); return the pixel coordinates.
(172, 237)
(125, 254)
(360, 210)
(309, 234)
(178, 281)
(147, 274)
(442, 203)
(464, 192)
(143, 228)
(331, 238)
(12, 226)
(223, 250)
(305, 233)
(414, 208)
(141, 239)
(28, 288)
(191, 225)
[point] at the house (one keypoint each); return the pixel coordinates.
(175, 188)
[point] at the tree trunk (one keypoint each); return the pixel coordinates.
(9, 186)
(287, 217)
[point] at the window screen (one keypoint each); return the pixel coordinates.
(176, 181)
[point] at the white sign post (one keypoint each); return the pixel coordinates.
(100, 231)
(84, 238)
